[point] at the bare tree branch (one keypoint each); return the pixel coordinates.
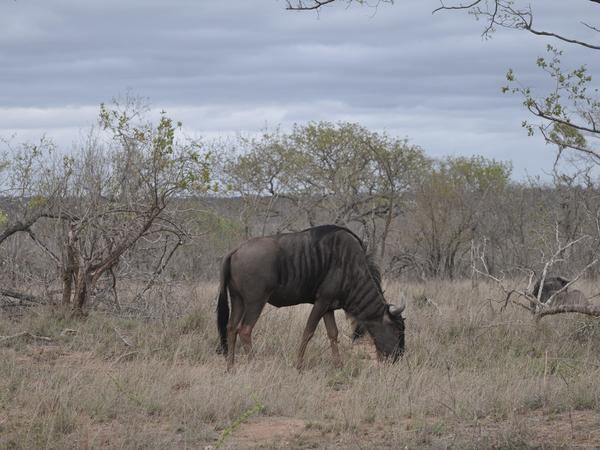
(314, 5)
(502, 13)
(591, 27)
(25, 334)
(459, 6)
(21, 296)
(562, 38)
(300, 5)
(164, 261)
(19, 227)
(44, 247)
(590, 310)
(25, 225)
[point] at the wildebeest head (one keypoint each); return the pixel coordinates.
(389, 333)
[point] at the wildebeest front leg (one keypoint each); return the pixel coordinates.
(332, 334)
(316, 313)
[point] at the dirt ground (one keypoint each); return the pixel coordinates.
(579, 429)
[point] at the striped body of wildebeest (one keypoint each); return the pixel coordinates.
(327, 266)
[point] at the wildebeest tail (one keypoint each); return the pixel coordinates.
(223, 303)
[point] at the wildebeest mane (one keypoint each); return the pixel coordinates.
(359, 330)
(374, 271)
(372, 266)
(321, 231)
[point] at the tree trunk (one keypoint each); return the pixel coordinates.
(68, 272)
(84, 287)
(81, 292)
(386, 230)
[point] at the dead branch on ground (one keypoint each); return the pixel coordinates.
(25, 334)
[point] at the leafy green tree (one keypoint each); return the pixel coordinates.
(450, 206)
(115, 195)
(334, 173)
(30, 194)
(569, 114)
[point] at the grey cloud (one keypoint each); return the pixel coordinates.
(238, 65)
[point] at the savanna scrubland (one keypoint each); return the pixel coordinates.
(110, 254)
(110, 259)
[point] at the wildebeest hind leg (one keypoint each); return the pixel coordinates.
(332, 334)
(251, 315)
(237, 310)
(318, 310)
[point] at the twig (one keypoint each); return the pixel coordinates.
(164, 261)
(44, 247)
(508, 292)
(428, 300)
(500, 324)
(125, 356)
(23, 334)
(121, 337)
(68, 332)
(300, 6)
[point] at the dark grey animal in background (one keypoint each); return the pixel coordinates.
(566, 297)
(326, 266)
(551, 285)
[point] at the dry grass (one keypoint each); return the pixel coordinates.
(473, 377)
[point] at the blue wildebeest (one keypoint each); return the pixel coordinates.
(551, 285)
(327, 266)
(567, 297)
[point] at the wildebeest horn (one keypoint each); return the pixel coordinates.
(396, 310)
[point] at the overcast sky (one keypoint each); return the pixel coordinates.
(238, 66)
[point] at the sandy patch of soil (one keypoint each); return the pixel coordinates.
(268, 432)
